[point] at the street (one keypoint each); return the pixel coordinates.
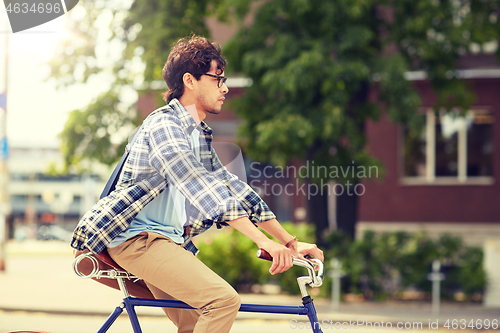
(14, 321)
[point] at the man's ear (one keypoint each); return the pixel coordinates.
(188, 79)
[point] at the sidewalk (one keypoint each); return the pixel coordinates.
(41, 279)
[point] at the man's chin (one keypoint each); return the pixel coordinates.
(214, 111)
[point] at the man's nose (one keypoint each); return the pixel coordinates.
(224, 88)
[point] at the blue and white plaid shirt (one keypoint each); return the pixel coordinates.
(162, 156)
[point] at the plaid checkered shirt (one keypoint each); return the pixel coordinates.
(161, 155)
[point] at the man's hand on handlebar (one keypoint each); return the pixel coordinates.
(300, 249)
(282, 256)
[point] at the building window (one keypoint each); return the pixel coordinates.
(450, 149)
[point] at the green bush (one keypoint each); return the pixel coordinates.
(377, 266)
(383, 265)
(233, 256)
(371, 264)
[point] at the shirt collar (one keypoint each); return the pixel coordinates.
(186, 118)
(206, 128)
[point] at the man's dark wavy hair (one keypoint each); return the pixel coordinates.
(190, 55)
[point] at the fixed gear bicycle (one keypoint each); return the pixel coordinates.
(129, 302)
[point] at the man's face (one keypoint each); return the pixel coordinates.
(209, 96)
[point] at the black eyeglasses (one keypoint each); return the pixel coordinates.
(220, 79)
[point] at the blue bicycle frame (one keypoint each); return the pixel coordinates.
(129, 303)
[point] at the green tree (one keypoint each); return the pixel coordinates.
(320, 69)
(314, 64)
(125, 43)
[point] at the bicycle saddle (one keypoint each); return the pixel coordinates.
(104, 257)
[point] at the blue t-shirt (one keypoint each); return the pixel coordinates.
(165, 214)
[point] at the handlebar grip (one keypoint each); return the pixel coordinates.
(263, 254)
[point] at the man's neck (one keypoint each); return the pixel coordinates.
(195, 112)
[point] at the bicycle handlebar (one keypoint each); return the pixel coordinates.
(315, 280)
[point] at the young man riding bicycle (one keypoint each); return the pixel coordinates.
(173, 187)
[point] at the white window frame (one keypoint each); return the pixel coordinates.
(430, 177)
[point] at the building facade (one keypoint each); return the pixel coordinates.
(37, 198)
(444, 177)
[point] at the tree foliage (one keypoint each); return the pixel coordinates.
(126, 44)
(320, 69)
(314, 64)
(97, 133)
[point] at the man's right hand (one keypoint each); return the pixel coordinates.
(282, 256)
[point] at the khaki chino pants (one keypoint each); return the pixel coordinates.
(170, 272)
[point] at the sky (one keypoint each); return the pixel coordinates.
(36, 111)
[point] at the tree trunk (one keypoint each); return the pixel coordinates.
(317, 213)
(347, 211)
(347, 201)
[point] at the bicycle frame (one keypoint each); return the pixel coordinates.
(129, 303)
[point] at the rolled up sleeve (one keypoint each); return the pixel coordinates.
(256, 208)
